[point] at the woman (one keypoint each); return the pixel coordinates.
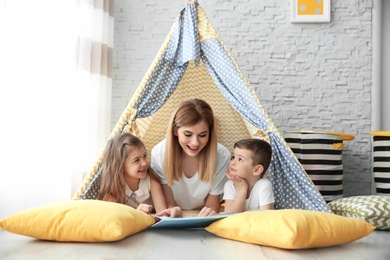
(190, 162)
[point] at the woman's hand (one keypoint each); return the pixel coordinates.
(206, 212)
(174, 212)
(145, 208)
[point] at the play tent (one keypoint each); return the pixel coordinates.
(194, 63)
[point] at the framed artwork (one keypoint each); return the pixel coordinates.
(310, 11)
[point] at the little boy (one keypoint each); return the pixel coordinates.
(246, 188)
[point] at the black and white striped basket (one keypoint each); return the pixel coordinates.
(320, 154)
(381, 161)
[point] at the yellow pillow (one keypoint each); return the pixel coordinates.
(290, 228)
(78, 220)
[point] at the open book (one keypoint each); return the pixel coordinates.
(187, 222)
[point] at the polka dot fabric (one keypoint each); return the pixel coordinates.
(185, 45)
(293, 188)
(159, 88)
(230, 82)
(92, 190)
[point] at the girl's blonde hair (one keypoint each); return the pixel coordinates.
(190, 113)
(113, 183)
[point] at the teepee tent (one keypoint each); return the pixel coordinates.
(194, 63)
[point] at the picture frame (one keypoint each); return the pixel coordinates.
(310, 11)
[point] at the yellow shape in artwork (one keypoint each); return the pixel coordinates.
(310, 7)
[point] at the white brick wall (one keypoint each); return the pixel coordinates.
(310, 76)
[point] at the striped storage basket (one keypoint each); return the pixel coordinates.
(381, 162)
(321, 156)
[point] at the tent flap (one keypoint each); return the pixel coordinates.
(185, 45)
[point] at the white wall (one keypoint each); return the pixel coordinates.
(48, 120)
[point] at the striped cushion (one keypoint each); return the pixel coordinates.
(374, 209)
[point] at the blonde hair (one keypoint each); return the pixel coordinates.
(113, 183)
(190, 113)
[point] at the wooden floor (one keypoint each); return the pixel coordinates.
(185, 244)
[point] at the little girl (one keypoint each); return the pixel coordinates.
(127, 178)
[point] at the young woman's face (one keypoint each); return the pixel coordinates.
(193, 139)
(241, 163)
(137, 163)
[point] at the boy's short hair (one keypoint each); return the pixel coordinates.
(261, 151)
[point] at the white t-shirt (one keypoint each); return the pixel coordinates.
(261, 194)
(190, 193)
(142, 195)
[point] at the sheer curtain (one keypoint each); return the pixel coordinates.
(44, 110)
(94, 59)
(95, 25)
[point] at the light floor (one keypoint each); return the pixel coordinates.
(185, 244)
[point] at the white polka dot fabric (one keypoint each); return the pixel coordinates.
(159, 88)
(185, 45)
